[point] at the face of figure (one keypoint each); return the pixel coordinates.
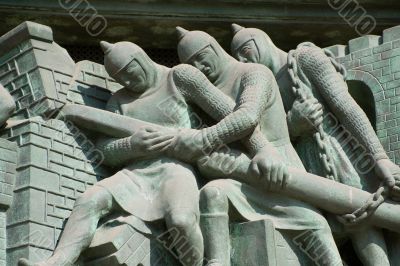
(248, 52)
(133, 77)
(207, 61)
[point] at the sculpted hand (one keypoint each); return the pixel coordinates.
(219, 162)
(387, 171)
(268, 165)
(188, 145)
(152, 140)
(304, 117)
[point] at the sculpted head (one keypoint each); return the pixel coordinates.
(252, 45)
(129, 65)
(202, 51)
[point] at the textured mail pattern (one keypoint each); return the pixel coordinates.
(334, 90)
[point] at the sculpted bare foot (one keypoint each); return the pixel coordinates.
(25, 262)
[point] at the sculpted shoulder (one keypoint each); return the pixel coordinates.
(248, 68)
(114, 103)
(311, 56)
(184, 70)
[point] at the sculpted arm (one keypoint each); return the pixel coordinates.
(236, 122)
(7, 105)
(333, 88)
(119, 151)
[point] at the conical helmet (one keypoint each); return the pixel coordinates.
(242, 35)
(191, 42)
(118, 55)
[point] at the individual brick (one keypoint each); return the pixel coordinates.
(396, 44)
(364, 42)
(338, 50)
(391, 53)
(391, 34)
(393, 84)
(370, 59)
(382, 48)
(362, 53)
(381, 63)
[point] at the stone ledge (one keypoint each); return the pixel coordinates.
(26, 30)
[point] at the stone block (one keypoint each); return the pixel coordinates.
(8, 165)
(395, 64)
(381, 63)
(382, 48)
(259, 243)
(125, 243)
(34, 69)
(50, 176)
(393, 84)
(370, 59)
(385, 79)
(396, 44)
(92, 86)
(391, 34)
(338, 50)
(391, 53)
(362, 53)
(364, 42)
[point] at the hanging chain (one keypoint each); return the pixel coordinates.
(321, 137)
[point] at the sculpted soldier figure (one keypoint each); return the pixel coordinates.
(336, 141)
(7, 105)
(150, 186)
(258, 112)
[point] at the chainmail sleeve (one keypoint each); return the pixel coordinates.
(320, 71)
(116, 151)
(236, 122)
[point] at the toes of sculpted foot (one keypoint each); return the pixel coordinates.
(25, 262)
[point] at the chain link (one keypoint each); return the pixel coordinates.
(321, 137)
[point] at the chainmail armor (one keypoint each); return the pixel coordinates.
(236, 122)
(116, 151)
(318, 67)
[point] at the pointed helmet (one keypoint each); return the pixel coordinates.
(119, 55)
(191, 42)
(260, 38)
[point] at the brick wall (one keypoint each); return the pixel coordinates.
(8, 164)
(34, 69)
(55, 166)
(91, 85)
(42, 77)
(375, 60)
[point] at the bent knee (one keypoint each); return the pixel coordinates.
(95, 198)
(213, 199)
(182, 220)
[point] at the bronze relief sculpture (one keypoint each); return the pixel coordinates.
(309, 80)
(272, 145)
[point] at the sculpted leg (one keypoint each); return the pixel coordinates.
(188, 241)
(393, 246)
(214, 224)
(319, 245)
(95, 203)
(370, 247)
